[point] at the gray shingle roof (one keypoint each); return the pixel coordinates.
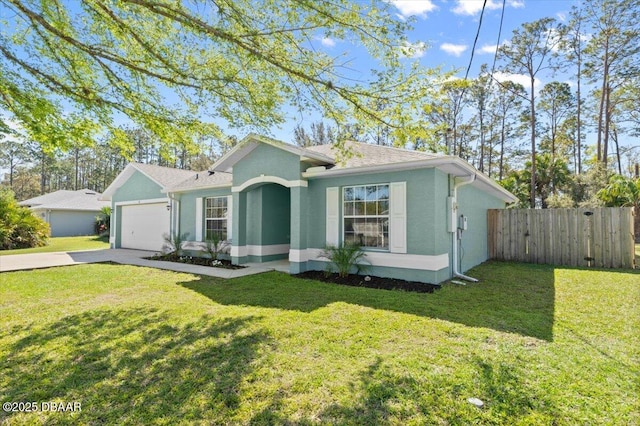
(370, 155)
(83, 199)
(165, 176)
(204, 180)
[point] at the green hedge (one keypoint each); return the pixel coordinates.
(19, 227)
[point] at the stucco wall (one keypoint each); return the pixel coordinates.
(474, 204)
(276, 215)
(70, 223)
(427, 192)
(188, 209)
(426, 210)
(269, 161)
(138, 187)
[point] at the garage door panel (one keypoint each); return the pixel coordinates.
(144, 226)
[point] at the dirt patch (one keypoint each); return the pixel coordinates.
(194, 260)
(369, 281)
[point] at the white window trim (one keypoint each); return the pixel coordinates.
(343, 216)
(217, 219)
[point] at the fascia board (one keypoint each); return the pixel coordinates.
(177, 190)
(454, 166)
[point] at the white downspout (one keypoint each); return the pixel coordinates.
(454, 226)
(172, 216)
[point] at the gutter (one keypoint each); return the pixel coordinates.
(456, 232)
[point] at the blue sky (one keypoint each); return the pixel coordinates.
(444, 33)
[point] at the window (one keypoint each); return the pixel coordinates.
(366, 215)
(216, 209)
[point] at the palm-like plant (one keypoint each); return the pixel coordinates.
(345, 257)
(173, 243)
(621, 192)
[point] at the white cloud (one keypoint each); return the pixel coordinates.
(523, 79)
(490, 49)
(516, 4)
(562, 17)
(418, 8)
(413, 50)
(472, 7)
(487, 49)
(328, 42)
(453, 49)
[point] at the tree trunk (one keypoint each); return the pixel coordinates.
(481, 165)
(601, 110)
(75, 186)
(502, 147)
(615, 140)
(579, 122)
(607, 124)
(42, 173)
(533, 144)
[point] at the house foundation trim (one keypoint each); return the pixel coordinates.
(392, 260)
(254, 250)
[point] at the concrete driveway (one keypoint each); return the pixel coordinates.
(18, 262)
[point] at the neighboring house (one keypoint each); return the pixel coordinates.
(273, 200)
(68, 213)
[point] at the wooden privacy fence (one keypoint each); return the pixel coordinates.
(598, 237)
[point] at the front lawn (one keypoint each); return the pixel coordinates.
(537, 344)
(90, 242)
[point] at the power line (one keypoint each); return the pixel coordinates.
(495, 55)
(476, 39)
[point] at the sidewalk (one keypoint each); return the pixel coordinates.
(18, 262)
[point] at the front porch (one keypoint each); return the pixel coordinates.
(280, 265)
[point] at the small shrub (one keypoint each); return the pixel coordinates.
(345, 257)
(214, 246)
(103, 222)
(19, 227)
(173, 243)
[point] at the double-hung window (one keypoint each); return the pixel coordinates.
(216, 210)
(366, 215)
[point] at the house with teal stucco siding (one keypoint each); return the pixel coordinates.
(419, 216)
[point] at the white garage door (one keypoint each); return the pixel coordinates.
(143, 226)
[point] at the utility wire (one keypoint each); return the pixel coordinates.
(495, 55)
(464, 88)
(476, 39)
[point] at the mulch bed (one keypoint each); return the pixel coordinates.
(374, 282)
(193, 260)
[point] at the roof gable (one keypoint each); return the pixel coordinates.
(252, 141)
(164, 177)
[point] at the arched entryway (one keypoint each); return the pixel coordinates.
(269, 220)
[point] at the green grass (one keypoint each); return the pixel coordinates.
(539, 345)
(89, 242)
